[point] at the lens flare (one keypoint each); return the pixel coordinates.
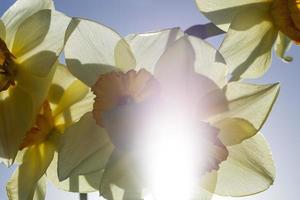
(171, 155)
(216, 197)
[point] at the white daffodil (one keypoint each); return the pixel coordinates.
(31, 39)
(68, 99)
(161, 98)
(254, 27)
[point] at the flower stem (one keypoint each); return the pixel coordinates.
(83, 196)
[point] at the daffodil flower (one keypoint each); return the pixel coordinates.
(147, 85)
(254, 27)
(68, 99)
(31, 39)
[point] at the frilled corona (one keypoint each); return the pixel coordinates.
(7, 69)
(44, 123)
(118, 88)
(286, 15)
(120, 103)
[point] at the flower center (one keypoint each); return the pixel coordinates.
(215, 151)
(117, 89)
(123, 103)
(44, 123)
(286, 15)
(130, 108)
(7, 67)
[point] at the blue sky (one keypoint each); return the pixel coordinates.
(282, 127)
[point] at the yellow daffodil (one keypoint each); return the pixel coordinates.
(147, 85)
(253, 27)
(67, 101)
(31, 39)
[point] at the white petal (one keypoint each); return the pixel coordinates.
(20, 11)
(234, 130)
(209, 62)
(176, 66)
(180, 83)
(90, 49)
(282, 45)
(148, 47)
(250, 102)
(23, 183)
(83, 142)
(17, 116)
(222, 13)
(39, 41)
(248, 43)
(83, 183)
(249, 169)
(121, 179)
(70, 99)
(40, 189)
(124, 57)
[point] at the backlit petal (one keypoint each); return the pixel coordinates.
(175, 67)
(85, 148)
(222, 13)
(19, 12)
(83, 183)
(148, 47)
(23, 183)
(235, 130)
(121, 179)
(282, 45)
(248, 103)
(90, 49)
(16, 117)
(39, 41)
(124, 57)
(208, 61)
(40, 190)
(248, 170)
(248, 43)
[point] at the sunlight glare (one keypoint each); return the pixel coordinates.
(171, 156)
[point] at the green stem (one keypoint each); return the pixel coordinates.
(83, 196)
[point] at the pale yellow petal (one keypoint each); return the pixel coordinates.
(40, 190)
(121, 179)
(31, 32)
(249, 169)
(73, 94)
(36, 87)
(249, 102)
(222, 13)
(175, 67)
(247, 45)
(69, 98)
(282, 45)
(90, 49)
(19, 12)
(23, 183)
(209, 62)
(124, 57)
(184, 79)
(85, 148)
(208, 184)
(235, 130)
(39, 41)
(148, 47)
(16, 118)
(82, 183)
